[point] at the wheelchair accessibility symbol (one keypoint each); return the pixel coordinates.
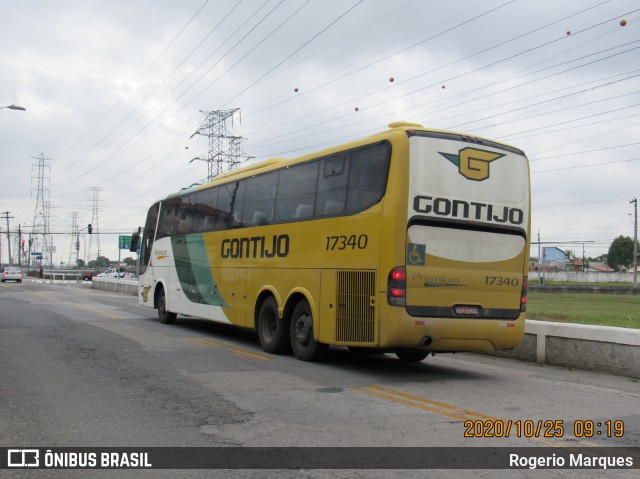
(416, 254)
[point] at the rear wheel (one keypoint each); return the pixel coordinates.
(304, 346)
(412, 357)
(272, 331)
(165, 316)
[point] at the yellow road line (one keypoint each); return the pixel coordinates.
(245, 353)
(250, 354)
(209, 342)
(97, 311)
(419, 402)
(454, 412)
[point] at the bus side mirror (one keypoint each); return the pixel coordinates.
(135, 239)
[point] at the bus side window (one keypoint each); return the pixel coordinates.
(260, 199)
(169, 218)
(296, 192)
(223, 206)
(369, 168)
(205, 210)
(332, 187)
(238, 204)
(187, 208)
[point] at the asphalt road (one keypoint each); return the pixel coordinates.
(82, 367)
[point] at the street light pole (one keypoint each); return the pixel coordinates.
(635, 242)
(14, 107)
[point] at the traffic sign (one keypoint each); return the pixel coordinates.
(124, 242)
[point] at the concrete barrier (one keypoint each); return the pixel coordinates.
(580, 346)
(125, 286)
(572, 288)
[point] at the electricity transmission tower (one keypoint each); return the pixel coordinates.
(225, 152)
(40, 238)
(94, 222)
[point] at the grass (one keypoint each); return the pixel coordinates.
(621, 310)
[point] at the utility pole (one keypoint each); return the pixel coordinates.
(94, 220)
(635, 241)
(19, 246)
(7, 217)
(73, 250)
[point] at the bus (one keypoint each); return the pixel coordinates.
(412, 241)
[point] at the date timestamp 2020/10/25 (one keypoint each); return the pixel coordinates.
(543, 428)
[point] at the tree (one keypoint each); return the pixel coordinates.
(129, 261)
(620, 253)
(100, 262)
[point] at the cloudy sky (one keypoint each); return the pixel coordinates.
(114, 90)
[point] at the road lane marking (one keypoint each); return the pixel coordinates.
(97, 311)
(250, 354)
(444, 409)
(454, 412)
(245, 353)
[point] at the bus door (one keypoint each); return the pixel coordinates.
(146, 276)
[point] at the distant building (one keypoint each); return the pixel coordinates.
(554, 255)
(553, 259)
(594, 267)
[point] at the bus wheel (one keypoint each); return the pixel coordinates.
(165, 316)
(304, 346)
(413, 357)
(273, 332)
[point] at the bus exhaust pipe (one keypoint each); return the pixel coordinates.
(427, 340)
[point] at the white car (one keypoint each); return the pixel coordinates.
(111, 273)
(12, 273)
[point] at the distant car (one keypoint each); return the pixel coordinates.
(88, 275)
(111, 273)
(12, 273)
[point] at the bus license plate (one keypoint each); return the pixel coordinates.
(467, 310)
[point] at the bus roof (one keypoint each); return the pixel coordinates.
(274, 163)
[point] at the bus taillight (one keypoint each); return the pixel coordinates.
(397, 286)
(523, 297)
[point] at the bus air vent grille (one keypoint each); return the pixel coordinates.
(355, 315)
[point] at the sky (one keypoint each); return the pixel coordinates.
(114, 92)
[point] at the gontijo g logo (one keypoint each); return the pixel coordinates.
(473, 163)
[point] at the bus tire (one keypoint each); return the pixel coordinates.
(413, 356)
(304, 346)
(272, 331)
(165, 316)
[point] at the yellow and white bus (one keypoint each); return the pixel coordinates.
(411, 241)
